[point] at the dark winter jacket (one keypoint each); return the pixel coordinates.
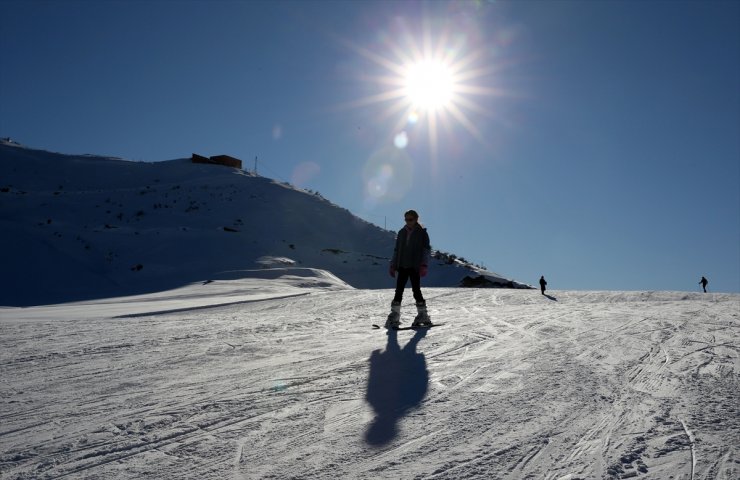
(411, 251)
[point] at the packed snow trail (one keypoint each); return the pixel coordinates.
(514, 385)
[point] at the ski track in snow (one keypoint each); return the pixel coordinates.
(513, 386)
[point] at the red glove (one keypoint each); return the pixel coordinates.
(392, 271)
(423, 270)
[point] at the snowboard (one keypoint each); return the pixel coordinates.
(420, 327)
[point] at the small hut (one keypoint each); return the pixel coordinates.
(225, 160)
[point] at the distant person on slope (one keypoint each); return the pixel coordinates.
(410, 262)
(543, 282)
(703, 283)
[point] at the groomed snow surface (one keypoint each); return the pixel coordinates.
(284, 377)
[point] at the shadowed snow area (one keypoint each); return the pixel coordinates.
(283, 377)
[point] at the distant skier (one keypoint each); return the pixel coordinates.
(410, 262)
(543, 282)
(703, 283)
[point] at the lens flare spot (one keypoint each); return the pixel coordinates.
(413, 118)
(387, 175)
(303, 173)
(401, 140)
(277, 132)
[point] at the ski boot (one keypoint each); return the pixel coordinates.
(422, 317)
(394, 318)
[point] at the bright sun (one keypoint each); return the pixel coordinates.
(429, 85)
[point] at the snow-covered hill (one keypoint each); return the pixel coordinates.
(282, 377)
(82, 227)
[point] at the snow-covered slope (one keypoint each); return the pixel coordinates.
(81, 227)
(284, 378)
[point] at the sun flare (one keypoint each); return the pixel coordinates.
(434, 85)
(429, 85)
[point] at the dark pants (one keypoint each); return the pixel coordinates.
(402, 276)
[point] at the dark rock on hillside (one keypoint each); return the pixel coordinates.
(481, 281)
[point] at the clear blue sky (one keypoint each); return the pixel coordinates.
(597, 143)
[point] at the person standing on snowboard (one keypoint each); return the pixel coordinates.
(410, 262)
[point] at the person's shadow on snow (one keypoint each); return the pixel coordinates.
(397, 383)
